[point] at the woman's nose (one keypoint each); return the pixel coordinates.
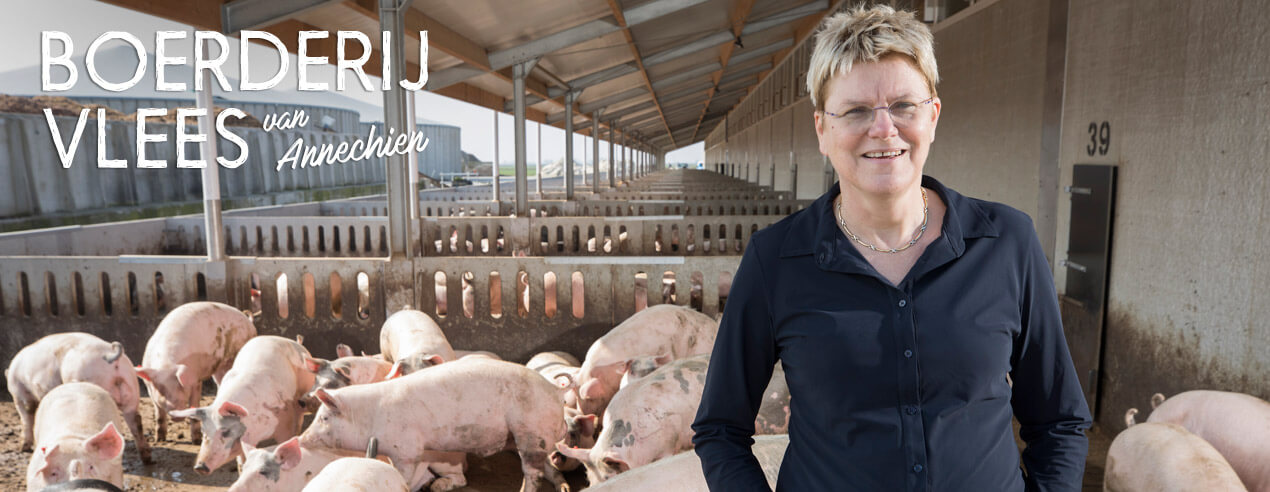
(882, 126)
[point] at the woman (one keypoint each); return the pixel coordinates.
(899, 308)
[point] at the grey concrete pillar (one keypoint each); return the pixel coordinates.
(612, 162)
(595, 150)
(397, 166)
(519, 72)
(495, 184)
(538, 173)
(211, 170)
(569, 98)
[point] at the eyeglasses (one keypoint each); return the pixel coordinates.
(861, 117)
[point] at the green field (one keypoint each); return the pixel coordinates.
(511, 170)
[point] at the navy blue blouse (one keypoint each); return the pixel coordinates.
(897, 387)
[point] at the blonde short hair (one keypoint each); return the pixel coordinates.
(866, 34)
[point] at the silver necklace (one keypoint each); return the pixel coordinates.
(842, 223)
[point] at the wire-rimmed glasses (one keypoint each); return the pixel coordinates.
(902, 113)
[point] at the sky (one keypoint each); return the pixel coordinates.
(21, 30)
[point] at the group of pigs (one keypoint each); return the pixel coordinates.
(426, 405)
(1196, 440)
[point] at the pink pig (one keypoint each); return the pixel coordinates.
(74, 357)
(664, 329)
(195, 341)
(646, 421)
(76, 437)
(1237, 425)
(475, 405)
(682, 472)
(412, 341)
(259, 398)
(358, 474)
(1163, 457)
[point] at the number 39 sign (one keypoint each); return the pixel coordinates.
(1099, 139)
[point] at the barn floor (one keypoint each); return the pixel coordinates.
(172, 470)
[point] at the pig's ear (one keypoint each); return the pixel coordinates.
(146, 374)
(107, 444)
(231, 409)
(580, 454)
(586, 424)
(299, 339)
(313, 364)
(186, 377)
(615, 463)
(563, 381)
(45, 453)
(342, 350)
(328, 400)
(288, 453)
(591, 390)
(434, 359)
(343, 371)
(247, 448)
(395, 372)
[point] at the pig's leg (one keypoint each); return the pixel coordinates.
(138, 436)
(450, 473)
(161, 419)
(26, 404)
(196, 427)
(417, 474)
(535, 466)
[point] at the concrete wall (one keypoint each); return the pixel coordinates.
(1184, 86)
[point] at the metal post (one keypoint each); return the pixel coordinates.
(595, 150)
(413, 160)
(538, 172)
(495, 184)
(626, 151)
(569, 98)
(519, 72)
(612, 166)
(211, 170)
(391, 14)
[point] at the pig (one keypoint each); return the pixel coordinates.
(1236, 424)
(74, 357)
(76, 437)
(83, 485)
(632, 433)
(475, 405)
(346, 371)
(646, 421)
(412, 341)
(559, 368)
(284, 467)
(1164, 457)
(476, 353)
(259, 398)
(358, 474)
(195, 341)
(664, 329)
(579, 433)
(682, 472)
(640, 367)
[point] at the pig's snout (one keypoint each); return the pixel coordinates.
(557, 459)
(202, 468)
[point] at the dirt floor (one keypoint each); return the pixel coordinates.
(174, 461)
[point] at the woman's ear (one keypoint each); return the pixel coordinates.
(819, 117)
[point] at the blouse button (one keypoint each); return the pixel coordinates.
(917, 468)
(908, 354)
(903, 303)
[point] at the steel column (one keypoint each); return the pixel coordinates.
(595, 150)
(538, 173)
(519, 72)
(612, 162)
(569, 98)
(495, 185)
(391, 15)
(211, 170)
